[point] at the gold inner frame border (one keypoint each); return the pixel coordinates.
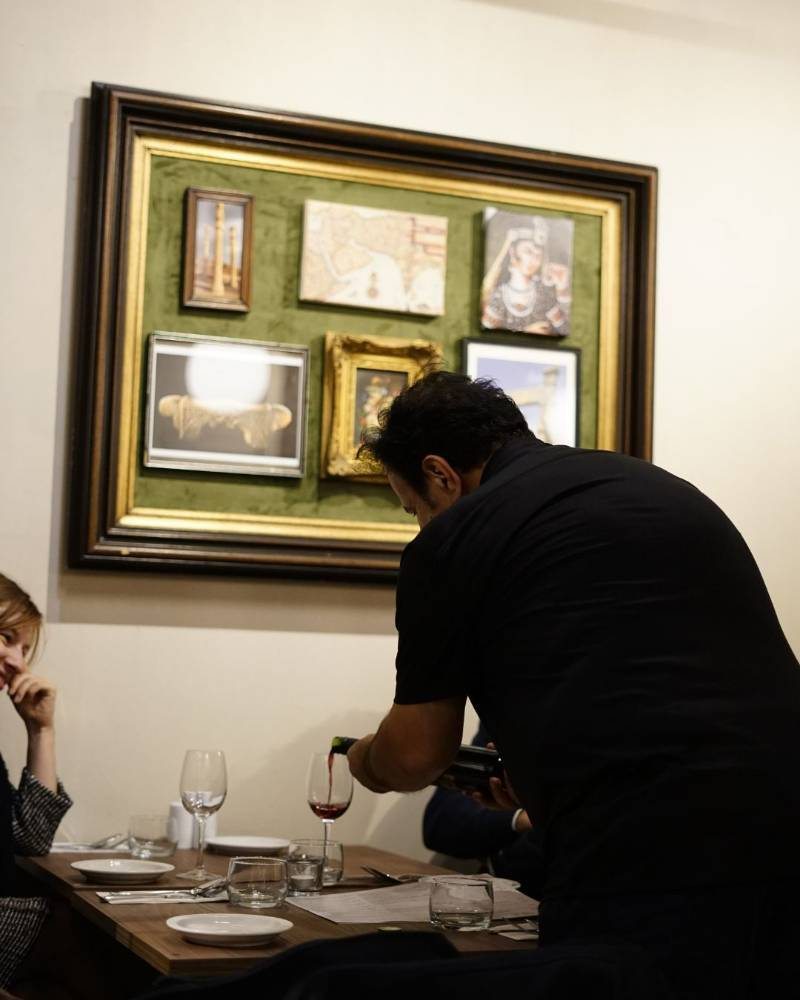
(145, 147)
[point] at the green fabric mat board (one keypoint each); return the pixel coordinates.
(277, 315)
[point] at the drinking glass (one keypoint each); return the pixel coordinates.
(151, 837)
(461, 901)
(257, 883)
(329, 854)
(305, 874)
(330, 789)
(204, 783)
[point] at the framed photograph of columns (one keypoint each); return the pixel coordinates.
(221, 405)
(543, 382)
(146, 150)
(362, 376)
(218, 249)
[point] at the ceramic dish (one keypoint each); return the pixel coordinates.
(247, 845)
(122, 871)
(229, 930)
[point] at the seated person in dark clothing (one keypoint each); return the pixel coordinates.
(501, 840)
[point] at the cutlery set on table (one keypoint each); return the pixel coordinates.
(263, 871)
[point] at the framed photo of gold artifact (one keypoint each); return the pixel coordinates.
(218, 249)
(543, 382)
(216, 404)
(308, 518)
(362, 376)
(373, 258)
(527, 274)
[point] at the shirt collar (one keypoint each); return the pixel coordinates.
(507, 453)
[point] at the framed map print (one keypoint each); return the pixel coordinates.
(371, 258)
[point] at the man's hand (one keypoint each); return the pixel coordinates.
(358, 759)
(411, 748)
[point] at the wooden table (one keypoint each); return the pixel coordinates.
(142, 928)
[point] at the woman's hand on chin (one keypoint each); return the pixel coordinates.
(34, 698)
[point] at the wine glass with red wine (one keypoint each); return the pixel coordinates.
(330, 790)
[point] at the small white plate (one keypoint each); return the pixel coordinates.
(122, 871)
(247, 845)
(229, 930)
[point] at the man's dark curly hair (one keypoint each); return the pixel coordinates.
(444, 414)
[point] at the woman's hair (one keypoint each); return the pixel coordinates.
(444, 414)
(18, 611)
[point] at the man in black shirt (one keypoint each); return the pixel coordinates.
(614, 634)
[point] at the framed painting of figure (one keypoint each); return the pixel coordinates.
(217, 249)
(527, 278)
(223, 405)
(545, 384)
(363, 375)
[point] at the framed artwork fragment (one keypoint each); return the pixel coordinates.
(373, 258)
(543, 382)
(308, 512)
(527, 275)
(362, 376)
(218, 249)
(221, 405)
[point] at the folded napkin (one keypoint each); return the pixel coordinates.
(161, 897)
(70, 847)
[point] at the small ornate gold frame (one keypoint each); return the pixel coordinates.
(345, 355)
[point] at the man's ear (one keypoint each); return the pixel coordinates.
(439, 473)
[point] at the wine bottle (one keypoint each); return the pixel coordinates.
(470, 770)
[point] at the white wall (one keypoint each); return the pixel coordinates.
(707, 92)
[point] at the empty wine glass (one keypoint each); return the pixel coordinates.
(330, 789)
(204, 783)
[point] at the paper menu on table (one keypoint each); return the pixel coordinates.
(400, 904)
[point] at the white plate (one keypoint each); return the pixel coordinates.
(247, 845)
(229, 930)
(122, 871)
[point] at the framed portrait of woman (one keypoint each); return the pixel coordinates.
(527, 277)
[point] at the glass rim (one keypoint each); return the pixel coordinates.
(314, 840)
(255, 859)
(459, 879)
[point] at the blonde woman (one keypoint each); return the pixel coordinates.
(29, 813)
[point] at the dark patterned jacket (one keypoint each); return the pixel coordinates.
(29, 816)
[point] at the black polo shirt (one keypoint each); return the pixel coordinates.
(613, 632)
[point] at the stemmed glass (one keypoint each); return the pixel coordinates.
(204, 783)
(330, 789)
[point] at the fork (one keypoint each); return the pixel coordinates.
(386, 877)
(198, 892)
(104, 842)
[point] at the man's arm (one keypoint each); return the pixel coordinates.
(412, 746)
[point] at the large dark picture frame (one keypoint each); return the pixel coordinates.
(111, 526)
